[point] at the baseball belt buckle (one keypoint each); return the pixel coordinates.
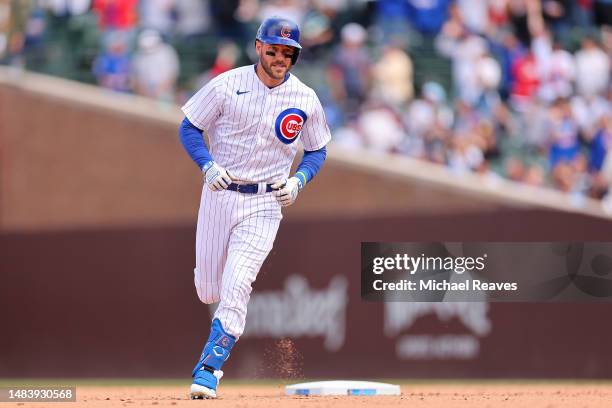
(238, 188)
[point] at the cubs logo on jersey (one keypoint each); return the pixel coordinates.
(288, 124)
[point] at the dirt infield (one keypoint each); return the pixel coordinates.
(417, 395)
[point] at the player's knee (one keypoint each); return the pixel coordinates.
(208, 291)
(208, 295)
(209, 299)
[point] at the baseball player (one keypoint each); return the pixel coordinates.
(253, 115)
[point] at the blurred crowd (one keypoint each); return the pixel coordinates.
(518, 89)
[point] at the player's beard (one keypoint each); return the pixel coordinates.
(269, 69)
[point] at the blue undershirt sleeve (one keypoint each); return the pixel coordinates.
(193, 142)
(311, 164)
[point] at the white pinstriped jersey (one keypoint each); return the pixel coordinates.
(252, 129)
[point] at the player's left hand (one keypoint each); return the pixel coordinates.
(286, 191)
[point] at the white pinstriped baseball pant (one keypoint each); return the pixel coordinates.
(235, 234)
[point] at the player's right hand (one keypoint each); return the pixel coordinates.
(217, 177)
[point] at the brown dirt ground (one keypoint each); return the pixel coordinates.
(473, 395)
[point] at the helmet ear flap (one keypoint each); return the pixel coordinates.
(296, 54)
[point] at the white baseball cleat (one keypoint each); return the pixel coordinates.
(201, 392)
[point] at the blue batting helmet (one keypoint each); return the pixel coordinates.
(280, 31)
